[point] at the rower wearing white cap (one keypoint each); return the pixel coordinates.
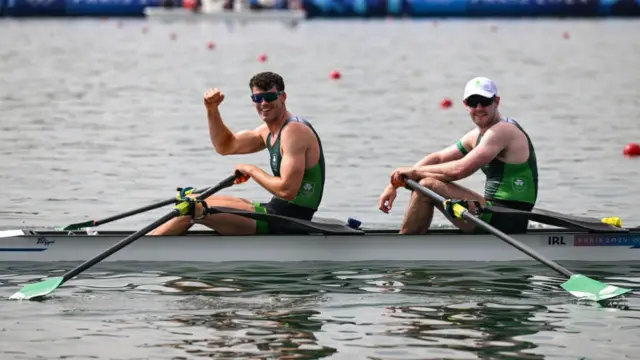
(498, 146)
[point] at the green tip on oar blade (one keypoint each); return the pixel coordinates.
(77, 226)
(583, 287)
(38, 289)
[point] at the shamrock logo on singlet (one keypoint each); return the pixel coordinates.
(306, 189)
(519, 184)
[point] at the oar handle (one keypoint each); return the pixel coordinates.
(236, 178)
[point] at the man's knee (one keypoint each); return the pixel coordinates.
(230, 202)
(181, 221)
(428, 182)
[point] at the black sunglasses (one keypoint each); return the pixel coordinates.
(474, 100)
(266, 96)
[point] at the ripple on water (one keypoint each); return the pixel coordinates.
(83, 136)
(397, 310)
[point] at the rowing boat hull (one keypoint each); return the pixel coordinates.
(174, 14)
(205, 246)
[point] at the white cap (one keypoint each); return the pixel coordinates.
(480, 86)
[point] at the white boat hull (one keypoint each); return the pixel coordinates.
(205, 246)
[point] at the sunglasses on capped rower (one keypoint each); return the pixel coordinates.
(473, 101)
(266, 96)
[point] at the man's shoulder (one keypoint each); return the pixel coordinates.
(263, 131)
(500, 133)
(298, 126)
(299, 121)
(508, 126)
(505, 133)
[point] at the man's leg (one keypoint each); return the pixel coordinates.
(226, 224)
(420, 211)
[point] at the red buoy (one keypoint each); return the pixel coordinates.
(445, 103)
(631, 149)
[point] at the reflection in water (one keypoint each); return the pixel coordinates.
(283, 334)
(464, 330)
(391, 310)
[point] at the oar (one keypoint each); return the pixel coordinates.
(611, 224)
(578, 285)
(93, 223)
(47, 286)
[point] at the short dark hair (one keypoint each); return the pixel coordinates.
(266, 80)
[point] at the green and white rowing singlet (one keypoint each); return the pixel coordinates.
(309, 194)
(511, 183)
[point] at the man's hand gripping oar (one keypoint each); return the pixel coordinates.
(184, 206)
(577, 285)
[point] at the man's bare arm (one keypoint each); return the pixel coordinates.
(493, 142)
(227, 143)
(450, 153)
(296, 140)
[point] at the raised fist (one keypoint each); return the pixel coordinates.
(213, 98)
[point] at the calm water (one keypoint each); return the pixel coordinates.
(98, 118)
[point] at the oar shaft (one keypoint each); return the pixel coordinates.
(119, 245)
(229, 181)
(511, 241)
(139, 210)
(133, 212)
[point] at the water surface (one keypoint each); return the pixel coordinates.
(98, 118)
